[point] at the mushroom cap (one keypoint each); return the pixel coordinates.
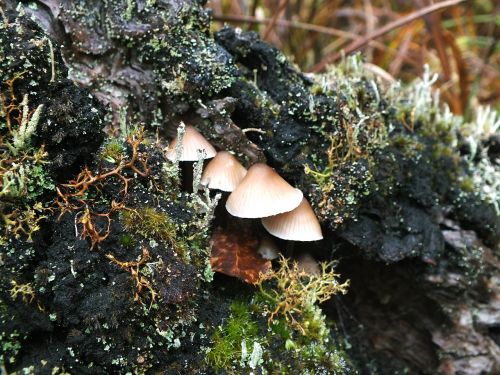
(224, 172)
(300, 224)
(261, 193)
(191, 143)
(268, 249)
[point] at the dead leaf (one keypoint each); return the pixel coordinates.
(235, 254)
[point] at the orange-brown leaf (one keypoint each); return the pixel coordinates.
(235, 254)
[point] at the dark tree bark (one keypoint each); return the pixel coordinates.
(422, 255)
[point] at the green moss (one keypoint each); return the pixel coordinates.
(11, 341)
(410, 146)
(153, 224)
(289, 342)
(150, 223)
(467, 185)
(112, 150)
(23, 174)
(227, 340)
(127, 241)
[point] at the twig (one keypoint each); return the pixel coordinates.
(371, 22)
(286, 23)
(294, 25)
(360, 42)
(270, 27)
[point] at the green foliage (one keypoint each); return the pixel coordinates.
(22, 172)
(11, 345)
(418, 104)
(350, 137)
(127, 241)
(416, 125)
(294, 293)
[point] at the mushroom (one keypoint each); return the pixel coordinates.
(192, 142)
(224, 172)
(262, 193)
(299, 224)
(268, 249)
(308, 264)
(194, 146)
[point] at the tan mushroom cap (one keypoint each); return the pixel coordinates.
(300, 224)
(261, 193)
(191, 143)
(224, 172)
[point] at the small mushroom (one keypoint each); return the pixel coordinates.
(308, 264)
(299, 224)
(224, 172)
(268, 249)
(262, 193)
(192, 142)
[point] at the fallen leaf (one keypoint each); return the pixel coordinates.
(235, 254)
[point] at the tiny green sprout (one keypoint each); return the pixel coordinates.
(112, 151)
(127, 241)
(290, 345)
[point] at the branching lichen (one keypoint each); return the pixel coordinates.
(295, 292)
(22, 167)
(141, 281)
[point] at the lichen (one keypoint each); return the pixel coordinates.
(281, 317)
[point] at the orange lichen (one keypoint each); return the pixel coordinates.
(141, 282)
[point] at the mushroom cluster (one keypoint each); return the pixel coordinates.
(259, 192)
(283, 210)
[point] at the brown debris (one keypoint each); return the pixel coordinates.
(235, 254)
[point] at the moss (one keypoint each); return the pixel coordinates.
(410, 146)
(293, 293)
(467, 185)
(153, 224)
(127, 241)
(23, 167)
(282, 330)
(227, 340)
(11, 345)
(112, 150)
